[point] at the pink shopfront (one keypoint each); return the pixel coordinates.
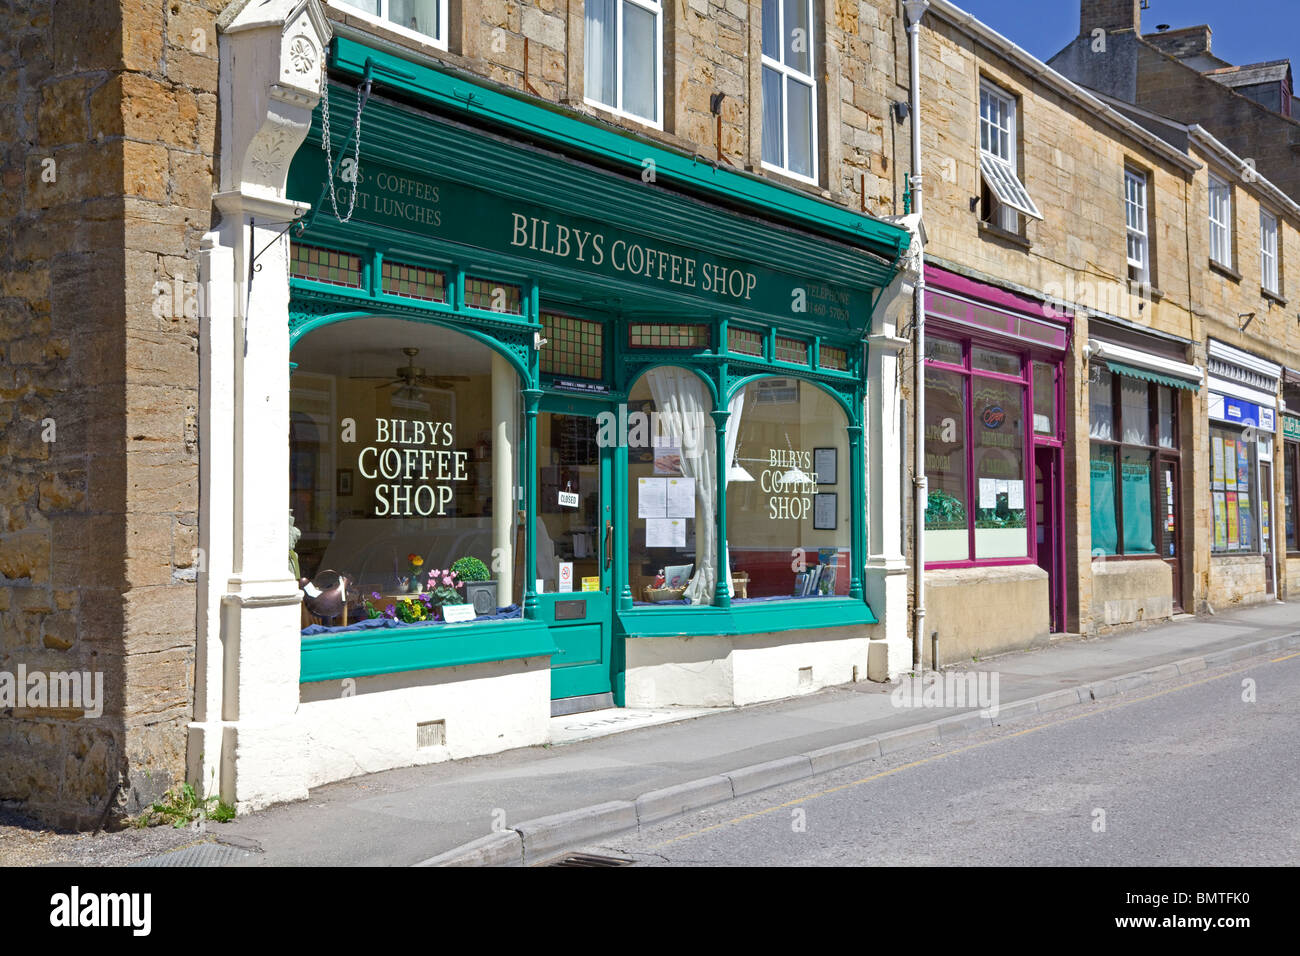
(995, 434)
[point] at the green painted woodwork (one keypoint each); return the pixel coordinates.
(757, 617)
(413, 648)
(1147, 375)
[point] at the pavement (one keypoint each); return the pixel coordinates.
(527, 806)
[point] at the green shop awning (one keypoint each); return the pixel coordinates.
(1147, 375)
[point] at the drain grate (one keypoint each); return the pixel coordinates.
(590, 860)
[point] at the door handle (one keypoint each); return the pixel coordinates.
(609, 544)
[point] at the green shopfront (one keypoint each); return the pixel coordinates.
(575, 418)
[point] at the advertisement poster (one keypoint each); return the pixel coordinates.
(1244, 521)
(1229, 464)
(1216, 476)
(1233, 529)
(1220, 521)
(1243, 467)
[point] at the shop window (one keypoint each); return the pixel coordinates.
(947, 521)
(791, 350)
(623, 59)
(833, 358)
(423, 19)
(1220, 222)
(1044, 399)
(1133, 427)
(648, 335)
(789, 88)
(1233, 489)
(324, 265)
(404, 461)
(975, 406)
(493, 296)
(574, 347)
(414, 282)
(672, 489)
(1291, 491)
(789, 514)
(744, 341)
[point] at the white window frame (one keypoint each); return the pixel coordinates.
(654, 7)
(1135, 223)
(439, 42)
(1220, 193)
(998, 160)
(1270, 275)
(809, 79)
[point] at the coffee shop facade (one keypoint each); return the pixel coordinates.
(630, 388)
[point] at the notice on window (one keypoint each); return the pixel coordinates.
(665, 533)
(1233, 529)
(1216, 444)
(566, 577)
(1243, 467)
(1245, 521)
(1220, 521)
(1015, 495)
(652, 498)
(1229, 464)
(1263, 519)
(988, 493)
(591, 584)
(681, 498)
(668, 456)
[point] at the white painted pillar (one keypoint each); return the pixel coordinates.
(886, 573)
(505, 405)
(245, 738)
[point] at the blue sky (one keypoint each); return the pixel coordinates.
(1044, 26)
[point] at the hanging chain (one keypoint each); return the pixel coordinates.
(329, 159)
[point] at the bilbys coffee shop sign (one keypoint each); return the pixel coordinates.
(458, 212)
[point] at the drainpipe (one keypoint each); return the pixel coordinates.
(915, 12)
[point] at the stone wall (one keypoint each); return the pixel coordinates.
(107, 119)
(983, 611)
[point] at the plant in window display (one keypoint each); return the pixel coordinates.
(944, 512)
(443, 584)
(480, 589)
(416, 563)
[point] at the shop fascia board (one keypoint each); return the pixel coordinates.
(1225, 387)
(1040, 71)
(1229, 353)
(460, 95)
(1155, 363)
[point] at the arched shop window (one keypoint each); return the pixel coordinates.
(672, 489)
(789, 519)
(975, 459)
(404, 458)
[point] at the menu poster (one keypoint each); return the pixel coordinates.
(1229, 464)
(1016, 495)
(665, 533)
(681, 498)
(1216, 474)
(1220, 521)
(668, 456)
(988, 493)
(652, 498)
(1233, 527)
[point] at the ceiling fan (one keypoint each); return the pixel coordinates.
(412, 378)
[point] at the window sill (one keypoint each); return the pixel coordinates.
(1226, 271)
(990, 231)
(759, 617)
(1272, 296)
(413, 648)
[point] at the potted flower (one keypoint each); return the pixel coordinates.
(480, 589)
(442, 587)
(416, 563)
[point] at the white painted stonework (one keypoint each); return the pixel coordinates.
(369, 724)
(726, 671)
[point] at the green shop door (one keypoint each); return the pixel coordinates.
(575, 548)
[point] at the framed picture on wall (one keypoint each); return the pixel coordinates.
(825, 464)
(826, 511)
(343, 482)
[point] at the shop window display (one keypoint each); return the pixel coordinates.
(403, 458)
(789, 523)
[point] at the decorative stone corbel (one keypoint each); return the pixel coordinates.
(272, 50)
